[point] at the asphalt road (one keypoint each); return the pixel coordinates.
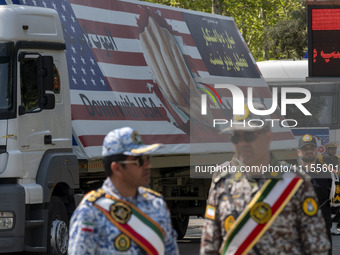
(190, 245)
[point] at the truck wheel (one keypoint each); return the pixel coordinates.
(180, 223)
(58, 227)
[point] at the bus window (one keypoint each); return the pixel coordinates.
(322, 106)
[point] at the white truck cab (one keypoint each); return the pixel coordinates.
(37, 166)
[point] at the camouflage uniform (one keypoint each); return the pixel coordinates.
(292, 232)
(330, 160)
(92, 233)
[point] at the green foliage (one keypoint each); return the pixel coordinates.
(288, 37)
(272, 29)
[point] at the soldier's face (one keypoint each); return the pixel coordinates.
(135, 175)
(308, 153)
(331, 151)
(252, 151)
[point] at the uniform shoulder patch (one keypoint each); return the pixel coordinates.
(87, 227)
(210, 212)
(155, 193)
(310, 206)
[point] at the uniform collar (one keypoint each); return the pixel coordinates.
(271, 173)
(110, 189)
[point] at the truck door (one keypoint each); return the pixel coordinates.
(6, 97)
(3, 133)
(42, 123)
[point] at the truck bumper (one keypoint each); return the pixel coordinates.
(13, 200)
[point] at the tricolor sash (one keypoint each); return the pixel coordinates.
(134, 223)
(260, 213)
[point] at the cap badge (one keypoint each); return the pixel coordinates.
(136, 138)
(307, 138)
(246, 114)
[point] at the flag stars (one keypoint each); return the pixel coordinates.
(74, 80)
(73, 49)
(74, 70)
(84, 81)
(84, 71)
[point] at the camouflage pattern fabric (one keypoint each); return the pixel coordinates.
(92, 233)
(294, 231)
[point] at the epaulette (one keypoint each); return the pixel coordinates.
(219, 176)
(94, 195)
(320, 158)
(152, 191)
(282, 162)
(294, 168)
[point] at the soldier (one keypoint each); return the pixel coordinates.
(261, 206)
(330, 157)
(123, 216)
(332, 160)
(321, 176)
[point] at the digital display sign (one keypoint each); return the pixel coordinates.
(324, 41)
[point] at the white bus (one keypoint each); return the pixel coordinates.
(324, 106)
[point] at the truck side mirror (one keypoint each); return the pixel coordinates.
(45, 73)
(45, 82)
(47, 101)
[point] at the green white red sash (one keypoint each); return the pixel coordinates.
(133, 223)
(260, 213)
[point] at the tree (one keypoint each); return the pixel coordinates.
(288, 37)
(272, 29)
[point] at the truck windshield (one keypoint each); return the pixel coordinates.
(5, 91)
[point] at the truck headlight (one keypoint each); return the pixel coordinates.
(6, 220)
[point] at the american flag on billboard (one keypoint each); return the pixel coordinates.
(113, 86)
